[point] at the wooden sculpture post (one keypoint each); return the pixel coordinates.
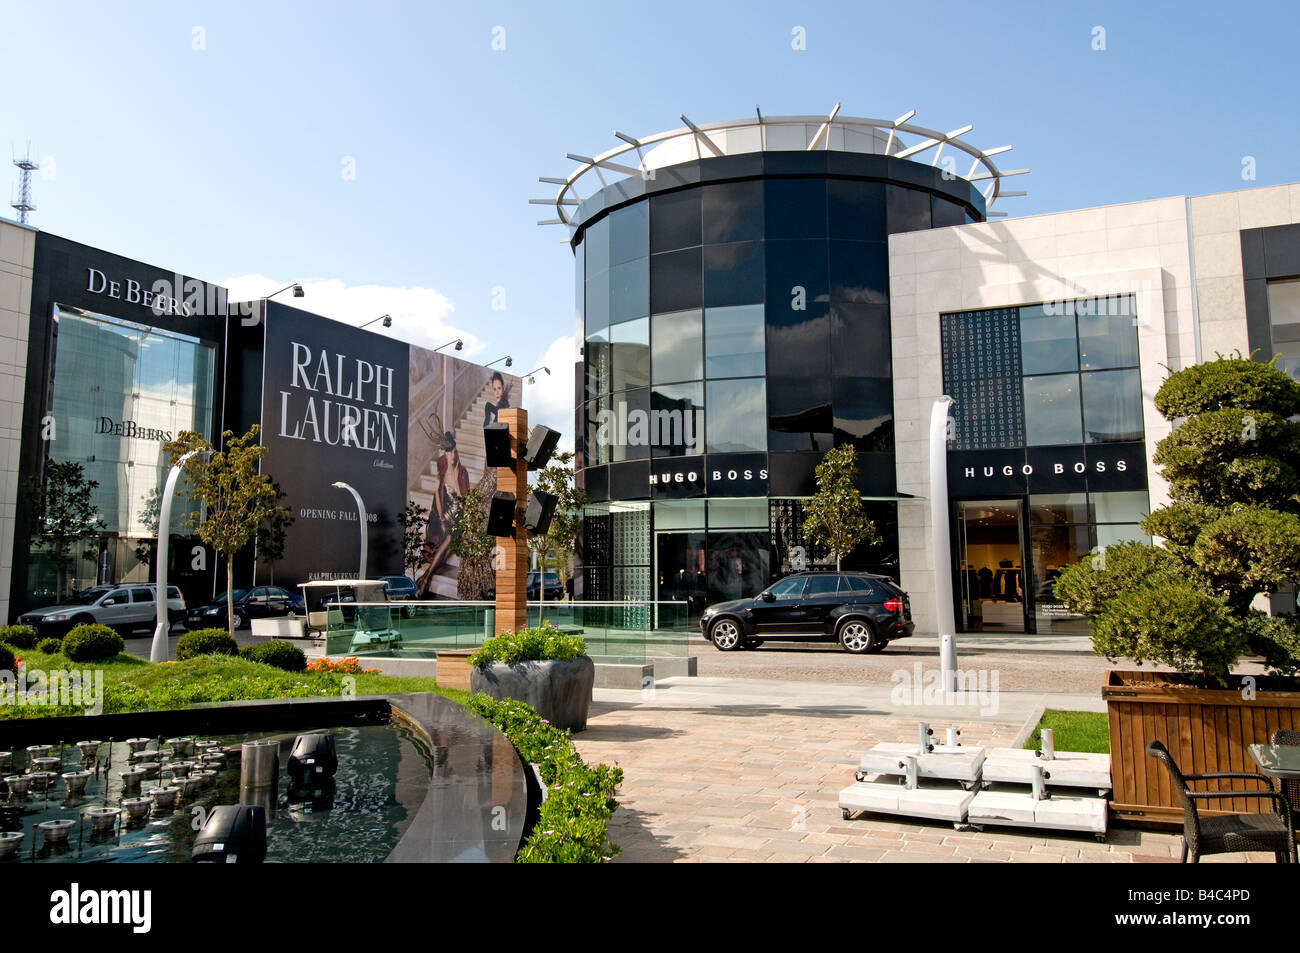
(512, 560)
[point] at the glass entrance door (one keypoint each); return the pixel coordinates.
(990, 575)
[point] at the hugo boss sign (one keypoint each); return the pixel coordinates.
(1119, 466)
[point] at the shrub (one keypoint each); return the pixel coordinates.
(92, 642)
(573, 822)
(206, 642)
(277, 653)
(8, 663)
(50, 646)
(539, 643)
(18, 636)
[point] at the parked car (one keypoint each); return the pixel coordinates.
(125, 608)
(260, 602)
(861, 611)
(554, 588)
(399, 588)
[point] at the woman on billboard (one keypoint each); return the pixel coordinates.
(453, 482)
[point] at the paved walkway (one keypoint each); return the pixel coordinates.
(733, 769)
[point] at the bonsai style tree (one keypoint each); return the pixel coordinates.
(1231, 532)
(63, 514)
(836, 517)
(566, 522)
(235, 498)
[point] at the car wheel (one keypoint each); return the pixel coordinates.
(857, 637)
(82, 619)
(241, 620)
(726, 635)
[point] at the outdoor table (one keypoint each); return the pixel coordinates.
(1278, 761)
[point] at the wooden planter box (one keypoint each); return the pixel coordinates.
(453, 669)
(1206, 730)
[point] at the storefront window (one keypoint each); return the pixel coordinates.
(1112, 406)
(1047, 339)
(736, 416)
(676, 341)
(677, 419)
(1284, 322)
(629, 236)
(630, 343)
(738, 513)
(734, 342)
(1107, 333)
(1052, 410)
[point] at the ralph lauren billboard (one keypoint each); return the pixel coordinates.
(334, 409)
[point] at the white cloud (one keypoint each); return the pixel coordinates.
(421, 316)
(550, 400)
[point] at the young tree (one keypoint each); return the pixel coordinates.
(235, 499)
(1231, 531)
(272, 534)
(566, 523)
(62, 515)
(414, 520)
(471, 544)
(836, 517)
(144, 548)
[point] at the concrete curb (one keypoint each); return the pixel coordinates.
(1028, 727)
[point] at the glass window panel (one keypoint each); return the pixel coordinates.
(788, 589)
(732, 212)
(676, 281)
(858, 584)
(1129, 507)
(822, 586)
(628, 433)
(579, 284)
(738, 564)
(1107, 333)
(795, 208)
(1053, 548)
(1112, 406)
(1284, 323)
(677, 346)
(738, 513)
(600, 430)
(1108, 534)
(674, 220)
(679, 514)
(597, 305)
(677, 419)
(797, 278)
(733, 274)
(860, 340)
(799, 413)
(855, 210)
(596, 241)
(630, 343)
(1047, 340)
(734, 342)
(736, 420)
(944, 212)
(1054, 508)
(679, 564)
(864, 412)
(596, 356)
(629, 290)
(629, 233)
(908, 209)
(1052, 410)
(859, 272)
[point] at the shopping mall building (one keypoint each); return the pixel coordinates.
(103, 359)
(752, 293)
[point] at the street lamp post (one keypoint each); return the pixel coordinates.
(939, 539)
(361, 516)
(158, 652)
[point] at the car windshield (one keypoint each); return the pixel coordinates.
(221, 599)
(89, 596)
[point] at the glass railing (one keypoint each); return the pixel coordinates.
(630, 631)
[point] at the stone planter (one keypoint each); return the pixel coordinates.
(559, 691)
(1206, 730)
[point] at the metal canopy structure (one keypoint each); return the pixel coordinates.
(899, 138)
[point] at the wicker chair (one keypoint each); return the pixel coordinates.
(1233, 832)
(1290, 786)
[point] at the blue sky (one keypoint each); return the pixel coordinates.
(212, 138)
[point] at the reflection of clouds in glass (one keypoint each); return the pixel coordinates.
(1052, 410)
(737, 416)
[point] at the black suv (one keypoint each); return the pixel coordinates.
(861, 611)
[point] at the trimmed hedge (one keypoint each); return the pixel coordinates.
(7, 660)
(18, 636)
(92, 642)
(206, 642)
(50, 646)
(277, 653)
(572, 826)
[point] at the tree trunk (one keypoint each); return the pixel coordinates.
(230, 592)
(838, 557)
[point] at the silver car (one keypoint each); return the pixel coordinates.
(125, 608)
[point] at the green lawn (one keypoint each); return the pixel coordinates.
(133, 684)
(1073, 731)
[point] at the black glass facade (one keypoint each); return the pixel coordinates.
(735, 319)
